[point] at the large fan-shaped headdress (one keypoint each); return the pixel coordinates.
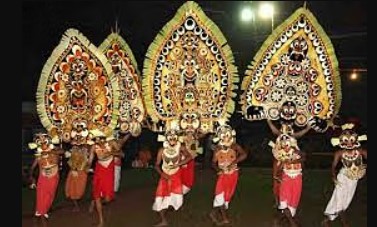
(124, 65)
(296, 64)
(77, 83)
(189, 68)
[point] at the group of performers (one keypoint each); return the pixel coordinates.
(87, 96)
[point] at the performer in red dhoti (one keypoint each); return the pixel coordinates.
(287, 117)
(226, 156)
(169, 190)
(351, 156)
(290, 159)
(47, 157)
(103, 179)
(293, 78)
(190, 125)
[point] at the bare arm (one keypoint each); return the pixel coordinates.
(91, 155)
(336, 159)
(32, 168)
(241, 154)
(123, 140)
(158, 163)
(364, 153)
(187, 156)
(214, 160)
(273, 128)
(302, 132)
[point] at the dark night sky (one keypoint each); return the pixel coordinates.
(45, 22)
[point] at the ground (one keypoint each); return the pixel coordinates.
(252, 204)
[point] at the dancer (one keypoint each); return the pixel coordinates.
(351, 156)
(47, 158)
(169, 191)
(103, 180)
(286, 127)
(78, 162)
(190, 125)
(226, 156)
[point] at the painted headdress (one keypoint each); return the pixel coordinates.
(77, 82)
(295, 65)
(225, 135)
(124, 65)
(348, 138)
(42, 142)
(189, 67)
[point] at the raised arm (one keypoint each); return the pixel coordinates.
(273, 128)
(302, 132)
(363, 152)
(123, 140)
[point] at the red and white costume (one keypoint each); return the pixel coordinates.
(228, 176)
(290, 187)
(169, 192)
(103, 178)
(227, 180)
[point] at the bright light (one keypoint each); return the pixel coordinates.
(354, 76)
(246, 14)
(266, 11)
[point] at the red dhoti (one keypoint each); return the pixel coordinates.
(225, 187)
(169, 193)
(188, 173)
(46, 188)
(290, 192)
(103, 181)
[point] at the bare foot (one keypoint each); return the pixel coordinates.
(325, 222)
(213, 218)
(100, 224)
(77, 209)
(225, 222)
(163, 223)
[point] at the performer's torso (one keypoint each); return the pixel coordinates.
(170, 157)
(293, 170)
(79, 158)
(353, 166)
(104, 154)
(48, 163)
(225, 156)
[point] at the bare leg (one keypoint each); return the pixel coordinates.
(224, 215)
(288, 214)
(76, 205)
(213, 216)
(343, 219)
(163, 222)
(99, 211)
(325, 222)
